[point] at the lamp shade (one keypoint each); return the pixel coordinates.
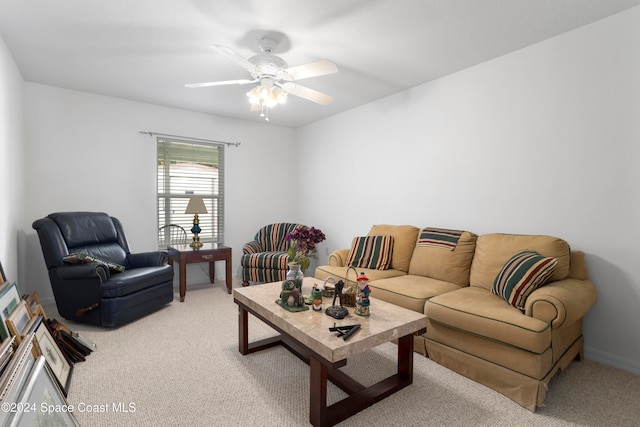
(196, 206)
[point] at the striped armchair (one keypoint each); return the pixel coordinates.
(265, 259)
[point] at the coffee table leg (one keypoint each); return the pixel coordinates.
(228, 273)
(212, 271)
(183, 279)
(318, 393)
(243, 331)
(405, 357)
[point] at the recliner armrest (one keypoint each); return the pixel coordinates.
(90, 270)
(561, 302)
(146, 259)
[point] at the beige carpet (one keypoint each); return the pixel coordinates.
(181, 367)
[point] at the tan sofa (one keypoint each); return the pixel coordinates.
(472, 330)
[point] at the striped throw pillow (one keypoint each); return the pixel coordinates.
(522, 274)
(371, 252)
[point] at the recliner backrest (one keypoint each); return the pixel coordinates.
(85, 228)
(92, 233)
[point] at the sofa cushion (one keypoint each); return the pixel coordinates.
(136, 280)
(371, 252)
(342, 273)
(443, 263)
(494, 250)
(534, 365)
(481, 313)
(269, 260)
(521, 275)
(404, 240)
(409, 291)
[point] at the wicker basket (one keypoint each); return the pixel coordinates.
(327, 290)
(349, 291)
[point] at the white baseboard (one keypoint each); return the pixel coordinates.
(609, 359)
(47, 300)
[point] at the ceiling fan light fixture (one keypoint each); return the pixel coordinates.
(279, 95)
(266, 95)
(254, 95)
(270, 103)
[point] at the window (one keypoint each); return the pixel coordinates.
(188, 168)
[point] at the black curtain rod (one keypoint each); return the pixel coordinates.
(188, 138)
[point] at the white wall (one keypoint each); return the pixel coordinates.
(85, 152)
(11, 161)
(544, 140)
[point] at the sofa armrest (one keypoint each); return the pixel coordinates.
(338, 258)
(253, 247)
(562, 302)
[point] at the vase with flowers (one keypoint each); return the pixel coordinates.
(302, 247)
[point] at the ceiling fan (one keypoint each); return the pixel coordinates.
(275, 80)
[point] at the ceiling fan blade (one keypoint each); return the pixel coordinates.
(313, 69)
(306, 93)
(235, 57)
(222, 83)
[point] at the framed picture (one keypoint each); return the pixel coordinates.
(34, 323)
(15, 374)
(18, 320)
(58, 363)
(6, 352)
(41, 388)
(32, 300)
(34, 304)
(39, 311)
(9, 299)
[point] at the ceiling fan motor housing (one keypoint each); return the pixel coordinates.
(268, 64)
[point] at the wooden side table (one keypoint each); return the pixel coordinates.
(209, 252)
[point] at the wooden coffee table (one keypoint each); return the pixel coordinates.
(209, 252)
(307, 335)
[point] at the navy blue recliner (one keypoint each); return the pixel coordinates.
(91, 291)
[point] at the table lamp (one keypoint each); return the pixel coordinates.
(196, 206)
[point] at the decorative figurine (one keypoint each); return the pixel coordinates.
(290, 297)
(345, 331)
(337, 311)
(362, 300)
(296, 299)
(316, 298)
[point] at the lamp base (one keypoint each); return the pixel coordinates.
(196, 233)
(196, 243)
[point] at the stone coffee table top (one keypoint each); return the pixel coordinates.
(386, 323)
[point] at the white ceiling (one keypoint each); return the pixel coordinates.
(147, 50)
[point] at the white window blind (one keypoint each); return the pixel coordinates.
(187, 168)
